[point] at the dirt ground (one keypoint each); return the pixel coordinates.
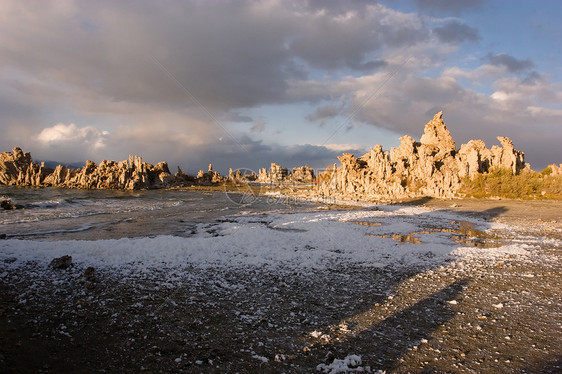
(469, 317)
(528, 212)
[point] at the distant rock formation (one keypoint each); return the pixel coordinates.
(431, 167)
(17, 168)
(276, 174)
(209, 178)
(280, 175)
(240, 176)
(302, 174)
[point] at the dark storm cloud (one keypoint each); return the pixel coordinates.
(230, 154)
(224, 54)
(513, 64)
(456, 32)
(185, 68)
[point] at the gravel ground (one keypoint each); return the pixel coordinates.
(474, 315)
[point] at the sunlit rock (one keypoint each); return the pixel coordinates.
(430, 167)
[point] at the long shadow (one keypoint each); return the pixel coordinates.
(325, 299)
(488, 214)
(393, 337)
(419, 201)
(388, 340)
(272, 308)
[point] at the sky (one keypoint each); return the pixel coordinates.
(242, 84)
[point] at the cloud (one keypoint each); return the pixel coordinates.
(128, 52)
(533, 78)
(71, 142)
(513, 64)
(255, 155)
(237, 117)
(324, 113)
(456, 32)
(357, 149)
(259, 126)
(369, 65)
(61, 134)
(223, 55)
(448, 5)
(337, 6)
(169, 82)
(335, 39)
(512, 111)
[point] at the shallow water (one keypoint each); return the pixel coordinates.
(63, 214)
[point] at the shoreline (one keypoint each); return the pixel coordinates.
(425, 285)
(507, 210)
(528, 211)
(546, 208)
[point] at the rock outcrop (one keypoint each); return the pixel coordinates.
(241, 176)
(6, 203)
(280, 175)
(555, 170)
(276, 174)
(302, 174)
(431, 167)
(209, 178)
(17, 168)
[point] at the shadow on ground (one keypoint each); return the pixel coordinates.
(229, 320)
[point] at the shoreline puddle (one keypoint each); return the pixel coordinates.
(463, 233)
(408, 238)
(365, 223)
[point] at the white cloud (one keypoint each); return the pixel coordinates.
(344, 147)
(61, 134)
(500, 96)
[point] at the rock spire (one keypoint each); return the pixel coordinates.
(430, 167)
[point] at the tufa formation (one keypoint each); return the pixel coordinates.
(17, 168)
(280, 175)
(431, 167)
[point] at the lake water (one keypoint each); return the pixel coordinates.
(64, 214)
